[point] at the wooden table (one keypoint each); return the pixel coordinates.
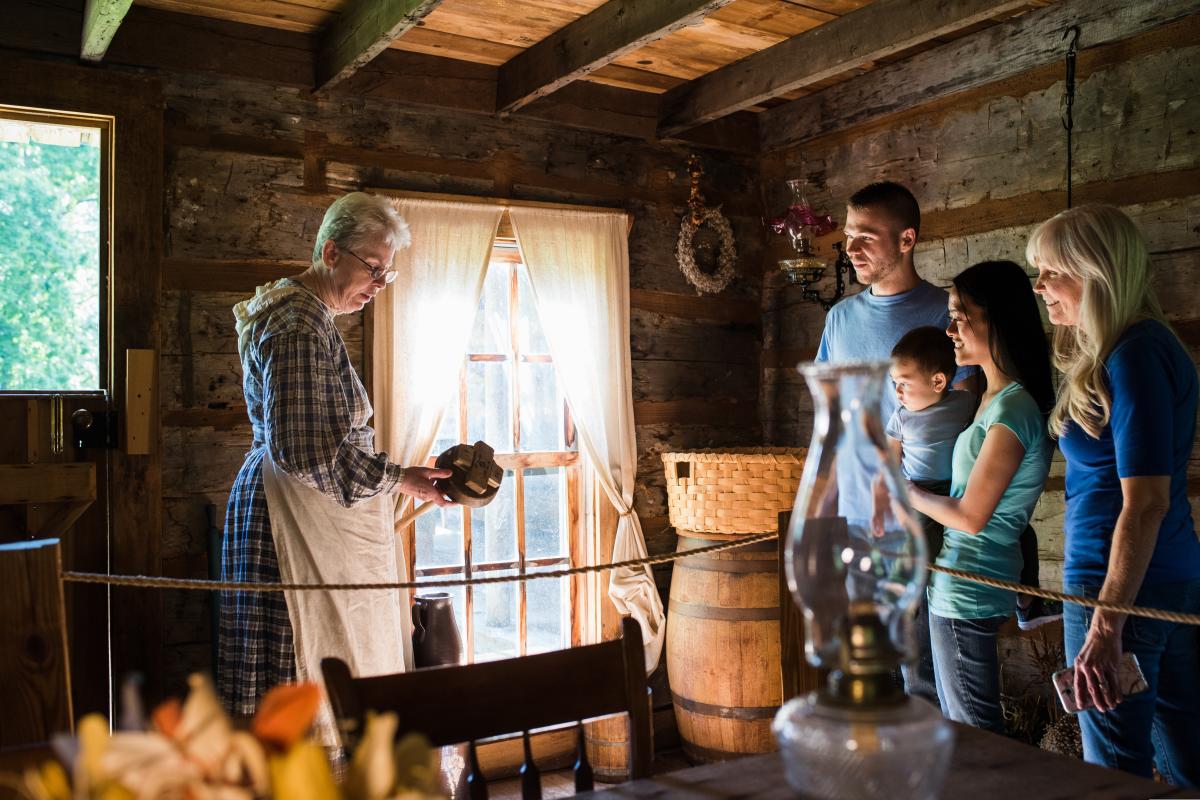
(984, 767)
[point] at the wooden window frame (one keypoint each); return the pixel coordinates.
(505, 251)
(106, 123)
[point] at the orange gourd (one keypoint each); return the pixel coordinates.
(286, 713)
(166, 717)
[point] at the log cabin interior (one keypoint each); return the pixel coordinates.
(222, 131)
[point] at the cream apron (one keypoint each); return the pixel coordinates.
(320, 541)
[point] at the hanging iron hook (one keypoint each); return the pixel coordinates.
(1072, 49)
(1068, 119)
(1073, 32)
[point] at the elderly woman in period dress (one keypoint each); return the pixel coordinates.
(313, 502)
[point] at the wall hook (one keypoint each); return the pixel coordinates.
(1073, 32)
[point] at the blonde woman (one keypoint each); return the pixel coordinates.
(1125, 418)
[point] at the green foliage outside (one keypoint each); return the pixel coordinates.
(49, 267)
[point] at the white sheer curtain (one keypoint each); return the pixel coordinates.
(423, 321)
(578, 264)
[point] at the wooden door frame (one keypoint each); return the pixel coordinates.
(135, 275)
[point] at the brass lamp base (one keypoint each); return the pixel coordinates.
(805, 270)
(865, 677)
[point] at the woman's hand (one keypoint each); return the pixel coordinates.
(1097, 667)
(418, 482)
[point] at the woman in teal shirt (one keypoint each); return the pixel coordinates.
(998, 472)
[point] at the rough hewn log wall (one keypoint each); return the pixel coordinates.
(989, 164)
(249, 170)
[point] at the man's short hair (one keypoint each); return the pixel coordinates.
(894, 199)
(930, 349)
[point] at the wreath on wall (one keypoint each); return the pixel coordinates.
(685, 252)
(726, 256)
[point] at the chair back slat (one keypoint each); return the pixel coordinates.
(585, 780)
(476, 783)
(499, 697)
(531, 776)
(455, 704)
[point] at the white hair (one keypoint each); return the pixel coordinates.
(357, 218)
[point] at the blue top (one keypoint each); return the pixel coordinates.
(1150, 432)
(864, 327)
(995, 550)
(929, 435)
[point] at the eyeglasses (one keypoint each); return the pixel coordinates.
(377, 273)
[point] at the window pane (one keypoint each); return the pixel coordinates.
(50, 197)
(494, 527)
(447, 435)
(489, 409)
(545, 513)
(546, 604)
(440, 538)
(529, 328)
(490, 334)
(541, 408)
(495, 612)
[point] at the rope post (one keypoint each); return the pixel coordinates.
(35, 693)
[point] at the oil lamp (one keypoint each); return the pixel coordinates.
(802, 225)
(856, 564)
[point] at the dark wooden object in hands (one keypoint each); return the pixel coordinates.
(474, 480)
(457, 704)
(474, 474)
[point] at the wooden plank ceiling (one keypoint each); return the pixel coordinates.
(656, 47)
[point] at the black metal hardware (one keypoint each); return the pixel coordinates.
(841, 268)
(1068, 113)
(94, 429)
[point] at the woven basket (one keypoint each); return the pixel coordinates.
(732, 490)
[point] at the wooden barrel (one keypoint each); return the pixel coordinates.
(723, 648)
(607, 743)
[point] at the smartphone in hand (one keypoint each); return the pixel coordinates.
(1129, 674)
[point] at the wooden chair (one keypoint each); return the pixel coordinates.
(450, 705)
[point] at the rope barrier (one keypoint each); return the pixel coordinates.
(199, 584)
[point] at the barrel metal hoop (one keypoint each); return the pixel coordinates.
(729, 614)
(691, 542)
(761, 566)
(726, 712)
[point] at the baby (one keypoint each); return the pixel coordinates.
(929, 418)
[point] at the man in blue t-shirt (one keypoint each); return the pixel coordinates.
(883, 222)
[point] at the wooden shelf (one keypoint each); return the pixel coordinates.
(70, 486)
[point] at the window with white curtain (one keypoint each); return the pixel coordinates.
(509, 397)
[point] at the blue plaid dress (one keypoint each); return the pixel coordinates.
(309, 410)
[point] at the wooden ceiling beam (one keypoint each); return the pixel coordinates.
(1026, 42)
(101, 19)
(595, 40)
(170, 41)
(362, 31)
(876, 31)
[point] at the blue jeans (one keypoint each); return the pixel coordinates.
(1160, 726)
(919, 680)
(967, 670)
(918, 673)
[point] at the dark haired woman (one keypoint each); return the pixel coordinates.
(998, 472)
